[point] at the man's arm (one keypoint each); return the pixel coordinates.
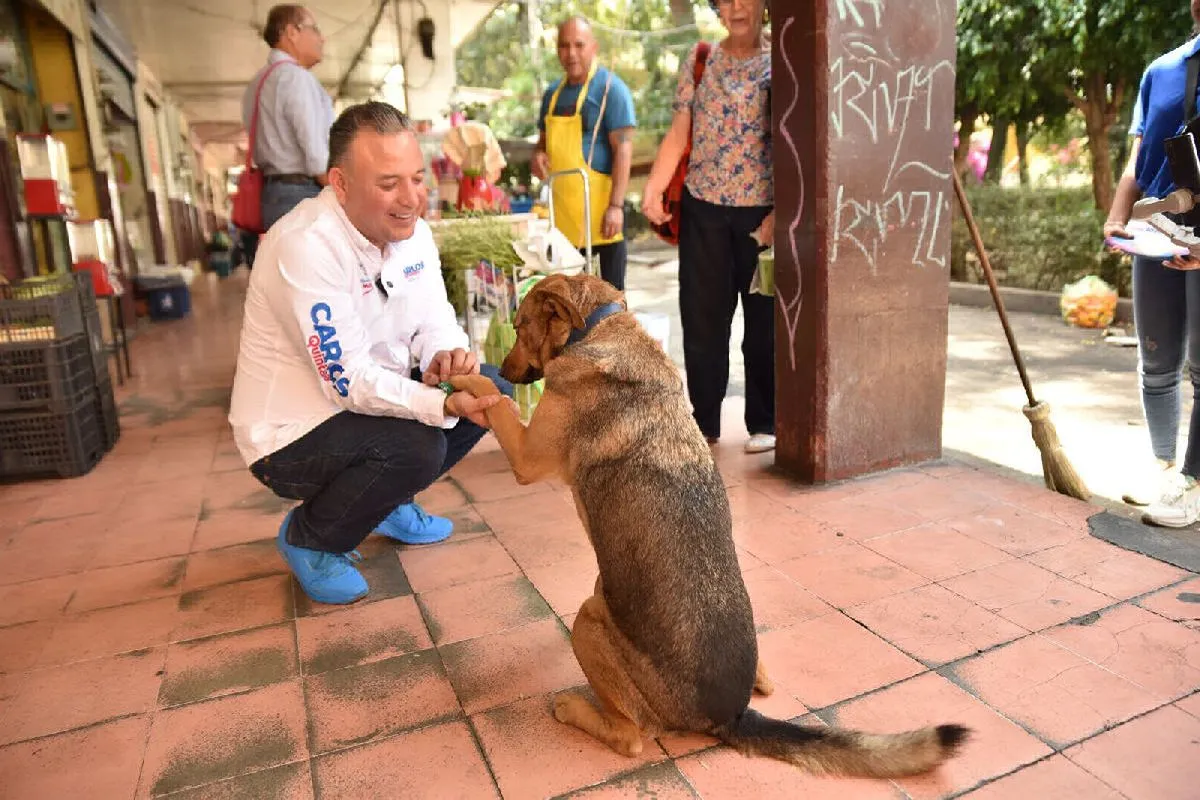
(305, 106)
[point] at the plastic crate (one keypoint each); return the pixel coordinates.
(110, 421)
(173, 302)
(49, 443)
(51, 376)
(42, 309)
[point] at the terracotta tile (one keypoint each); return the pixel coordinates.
(542, 544)
(451, 564)
(99, 761)
(84, 502)
(504, 667)
(483, 487)
(829, 659)
(476, 609)
(231, 564)
(227, 462)
(232, 662)
(385, 579)
(861, 519)
(21, 645)
(566, 584)
(534, 755)
(468, 524)
(1160, 655)
(1014, 530)
(1191, 705)
(481, 463)
(289, 782)
(226, 527)
(1101, 566)
(49, 549)
(747, 502)
(778, 601)
(206, 742)
(1056, 777)
(149, 541)
(1030, 596)
(360, 634)
(513, 515)
(1180, 603)
(443, 496)
(935, 625)
(723, 772)
(784, 535)
(434, 763)
(934, 499)
(996, 745)
(34, 600)
(1155, 757)
(53, 700)
(161, 501)
(233, 606)
(357, 704)
(148, 580)
(850, 575)
(240, 490)
(108, 631)
(678, 745)
(661, 781)
(1053, 692)
(936, 551)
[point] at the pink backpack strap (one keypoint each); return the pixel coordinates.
(254, 115)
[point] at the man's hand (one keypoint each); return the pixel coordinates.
(447, 363)
(614, 222)
(541, 164)
(1185, 263)
(652, 205)
(464, 404)
(765, 235)
(1114, 228)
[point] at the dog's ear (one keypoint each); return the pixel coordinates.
(558, 299)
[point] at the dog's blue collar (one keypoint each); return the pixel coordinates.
(606, 310)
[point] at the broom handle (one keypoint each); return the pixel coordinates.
(991, 280)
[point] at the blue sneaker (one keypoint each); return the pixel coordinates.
(411, 525)
(325, 577)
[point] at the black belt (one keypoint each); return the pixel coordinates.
(291, 178)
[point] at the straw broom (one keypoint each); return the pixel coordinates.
(1056, 469)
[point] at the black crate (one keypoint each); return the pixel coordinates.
(46, 376)
(106, 406)
(41, 309)
(48, 443)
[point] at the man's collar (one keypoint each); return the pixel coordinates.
(362, 244)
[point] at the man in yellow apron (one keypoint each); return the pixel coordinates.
(587, 121)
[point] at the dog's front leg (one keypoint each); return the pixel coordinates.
(533, 451)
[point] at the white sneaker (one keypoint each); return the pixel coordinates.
(1179, 507)
(1152, 483)
(760, 443)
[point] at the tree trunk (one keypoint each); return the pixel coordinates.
(1099, 114)
(682, 13)
(1024, 133)
(967, 117)
(995, 164)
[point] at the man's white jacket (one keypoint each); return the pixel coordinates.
(332, 324)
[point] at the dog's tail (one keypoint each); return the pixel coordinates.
(834, 751)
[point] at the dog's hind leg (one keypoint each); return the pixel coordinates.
(762, 684)
(617, 722)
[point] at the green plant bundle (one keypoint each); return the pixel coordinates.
(467, 241)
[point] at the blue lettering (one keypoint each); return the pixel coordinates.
(332, 351)
(321, 313)
(326, 350)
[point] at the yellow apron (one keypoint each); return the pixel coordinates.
(564, 140)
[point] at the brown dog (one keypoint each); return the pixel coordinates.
(667, 640)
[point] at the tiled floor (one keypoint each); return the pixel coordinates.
(151, 644)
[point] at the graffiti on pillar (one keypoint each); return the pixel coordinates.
(790, 306)
(882, 101)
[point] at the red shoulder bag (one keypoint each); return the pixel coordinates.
(673, 196)
(247, 200)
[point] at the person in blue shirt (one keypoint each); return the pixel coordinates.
(1166, 294)
(587, 122)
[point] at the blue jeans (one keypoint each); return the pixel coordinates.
(279, 198)
(1166, 313)
(352, 470)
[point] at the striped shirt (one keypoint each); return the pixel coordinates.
(294, 118)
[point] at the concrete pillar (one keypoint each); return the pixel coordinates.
(863, 106)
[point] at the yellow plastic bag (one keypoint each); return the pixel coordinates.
(1089, 303)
